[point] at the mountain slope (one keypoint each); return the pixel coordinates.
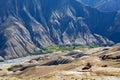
(114, 30)
(91, 3)
(29, 25)
(103, 5)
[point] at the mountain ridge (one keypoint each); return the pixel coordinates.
(27, 25)
(103, 5)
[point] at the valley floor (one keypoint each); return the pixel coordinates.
(102, 63)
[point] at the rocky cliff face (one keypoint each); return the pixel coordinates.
(103, 5)
(114, 29)
(30, 24)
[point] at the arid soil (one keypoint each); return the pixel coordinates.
(102, 63)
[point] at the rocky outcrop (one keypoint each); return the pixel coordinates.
(58, 61)
(75, 54)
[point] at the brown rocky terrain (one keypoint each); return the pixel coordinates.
(101, 63)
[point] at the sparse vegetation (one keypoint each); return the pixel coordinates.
(52, 49)
(87, 79)
(90, 67)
